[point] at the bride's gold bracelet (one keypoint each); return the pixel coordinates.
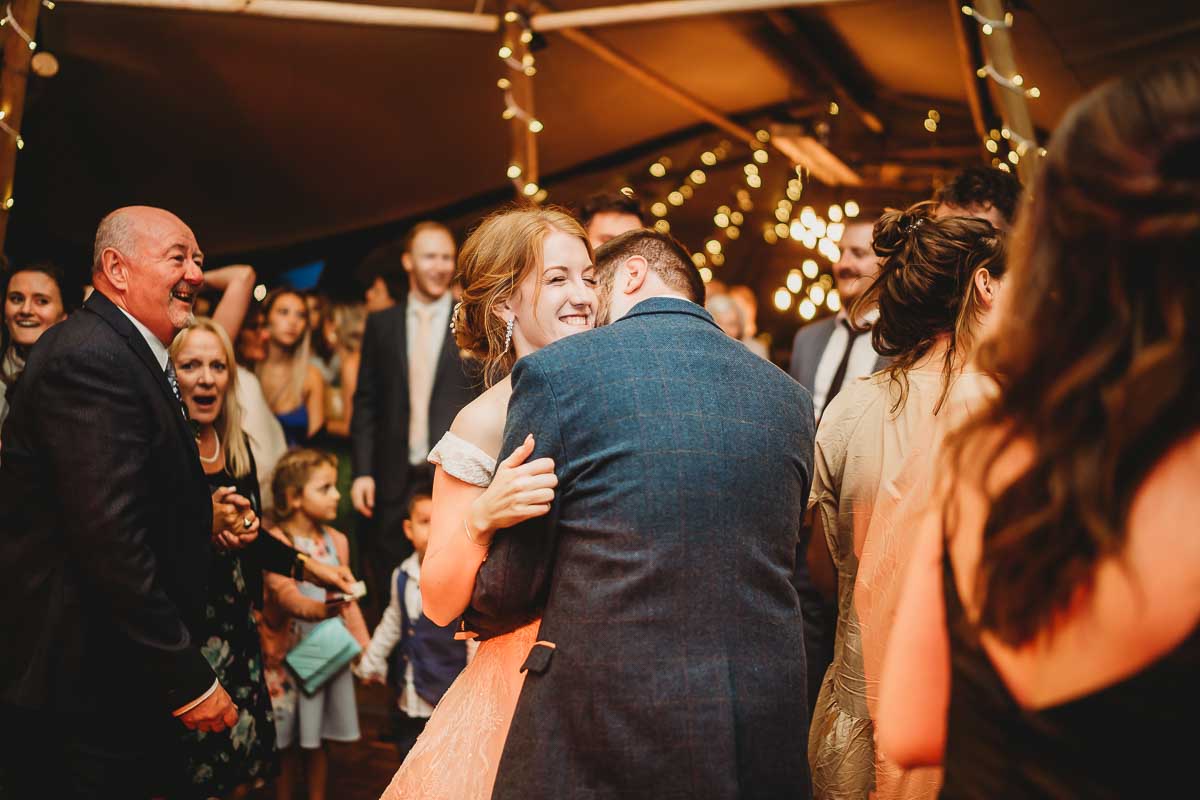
(470, 538)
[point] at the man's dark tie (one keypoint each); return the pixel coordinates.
(840, 376)
(171, 379)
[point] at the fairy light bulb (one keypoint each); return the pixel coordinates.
(536, 126)
(807, 309)
(505, 52)
(851, 208)
(783, 299)
(514, 171)
(809, 268)
(795, 281)
(531, 189)
(657, 169)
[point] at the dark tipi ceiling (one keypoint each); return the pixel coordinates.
(281, 139)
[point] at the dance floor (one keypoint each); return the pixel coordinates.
(361, 770)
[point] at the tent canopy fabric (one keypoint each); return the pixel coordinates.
(265, 134)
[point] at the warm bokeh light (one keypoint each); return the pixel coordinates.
(810, 269)
(795, 281)
(807, 309)
(783, 299)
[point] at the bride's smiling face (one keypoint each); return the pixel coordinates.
(557, 300)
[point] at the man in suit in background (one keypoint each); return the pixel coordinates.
(826, 356)
(105, 524)
(412, 382)
(671, 662)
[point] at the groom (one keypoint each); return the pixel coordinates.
(671, 658)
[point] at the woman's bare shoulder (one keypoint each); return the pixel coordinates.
(481, 422)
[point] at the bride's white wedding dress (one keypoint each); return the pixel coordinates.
(457, 755)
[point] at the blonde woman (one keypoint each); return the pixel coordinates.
(226, 766)
(528, 280)
(293, 387)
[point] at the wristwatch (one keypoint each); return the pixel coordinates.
(298, 566)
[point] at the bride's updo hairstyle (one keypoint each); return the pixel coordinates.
(926, 288)
(495, 259)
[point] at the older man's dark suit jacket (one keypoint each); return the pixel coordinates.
(105, 521)
(379, 427)
(677, 667)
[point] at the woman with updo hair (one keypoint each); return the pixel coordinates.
(938, 281)
(527, 281)
(1047, 642)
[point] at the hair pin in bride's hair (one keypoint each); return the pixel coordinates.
(912, 226)
(454, 317)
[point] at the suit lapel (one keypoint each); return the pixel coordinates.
(109, 312)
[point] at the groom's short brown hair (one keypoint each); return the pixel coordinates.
(669, 259)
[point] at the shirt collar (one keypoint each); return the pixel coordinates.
(411, 567)
(871, 317)
(441, 303)
(156, 346)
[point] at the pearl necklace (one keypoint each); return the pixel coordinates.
(216, 453)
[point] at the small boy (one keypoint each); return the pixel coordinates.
(428, 657)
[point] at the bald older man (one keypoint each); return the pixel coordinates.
(105, 525)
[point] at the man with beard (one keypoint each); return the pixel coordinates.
(412, 382)
(826, 356)
(105, 522)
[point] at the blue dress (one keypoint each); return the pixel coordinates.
(295, 425)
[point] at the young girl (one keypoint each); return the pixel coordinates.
(306, 497)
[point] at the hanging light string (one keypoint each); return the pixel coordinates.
(4, 126)
(512, 109)
(1014, 84)
(1023, 145)
(987, 24)
(9, 19)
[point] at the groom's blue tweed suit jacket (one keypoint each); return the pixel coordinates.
(663, 567)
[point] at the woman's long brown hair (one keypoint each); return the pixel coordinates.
(1098, 349)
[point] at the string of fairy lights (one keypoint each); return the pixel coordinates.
(1019, 146)
(10, 21)
(525, 66)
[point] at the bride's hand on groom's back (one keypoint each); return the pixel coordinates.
(519, 491)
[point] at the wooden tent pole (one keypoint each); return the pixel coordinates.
(998, 51)
(323, 11)
(13, 78)
(664, 9)
(519, 69)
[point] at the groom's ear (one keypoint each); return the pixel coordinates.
(637, 268)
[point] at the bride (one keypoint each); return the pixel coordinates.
(528, 280)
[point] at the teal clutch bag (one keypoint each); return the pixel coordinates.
(322, 654)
